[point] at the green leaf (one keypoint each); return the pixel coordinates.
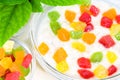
(36, 6)
(11, 2)
(65, 2)
(12, 18)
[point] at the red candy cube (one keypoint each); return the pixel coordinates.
(85, 73)
(85, 17)
(89, 27)
(118, 19)
(27, 60)
(112, 69)
(12, 76)
(84, 62)
(94, 10)
(106, 22)
(107, 41)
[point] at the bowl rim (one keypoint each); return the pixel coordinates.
(48, 68)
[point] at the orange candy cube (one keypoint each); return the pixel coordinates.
(70, 15)
(111, 13)
(43, 48)
(2, 71)
(89, 38)
(19, 56)
(60, 55)
(14, 67)
(63, 34)
(84, 9)
(2, 53)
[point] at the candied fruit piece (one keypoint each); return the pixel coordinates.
(117, 36)
(117, 19)
(43, 48)
(14, 67)
(19, 56)
(6, 62)
(2, 53)
(24, 71)
(96, 57)
(53, 15)
(84, 62)
(111, 13)
(63, 34)
(89, 27)
(55, 26)
(107, 41)
(115, 29)
(94, 10)
(78, 25)
(12, 76)
(106, 22)
(79, 46)
(8, 46)
(62, 66)
(89, 38)
(100, 72)
(111, 56)
(70, 15)
(27, 60)
(2, 71)
(12, 57)
(76, 34)
(85, 17)
(112, 69)
(1, 78)
(85, 2)
(21, 78)
(86, 74)
(84, 8)
(60, 55)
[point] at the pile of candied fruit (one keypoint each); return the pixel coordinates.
(82, 30)
(14, 62)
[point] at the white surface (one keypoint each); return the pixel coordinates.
(40, 74)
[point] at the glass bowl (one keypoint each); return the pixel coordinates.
(32, 65)
(37, 21)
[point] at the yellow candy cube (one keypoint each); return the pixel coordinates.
(43, 48)
(79, 46)
(111, 56)
(115, 28)
(60, 55)
(6, 62)
(78, 26)
(62, 67)
(101, 72)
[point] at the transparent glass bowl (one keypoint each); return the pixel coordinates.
(37, 19)
(27, 50)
